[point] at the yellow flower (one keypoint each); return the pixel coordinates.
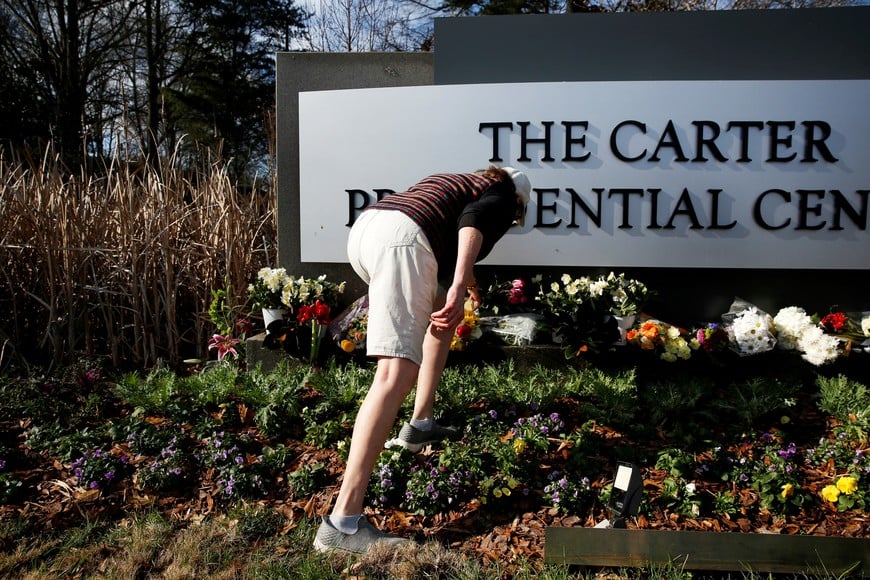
(847, 485)
(505, 491)
(787, 490)
(347, 345)
(496, 493)
(519, 445)
(830, 493)
(512, 483)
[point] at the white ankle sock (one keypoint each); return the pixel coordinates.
(345, 524)
(423, 424)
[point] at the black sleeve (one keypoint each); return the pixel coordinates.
(492, 213)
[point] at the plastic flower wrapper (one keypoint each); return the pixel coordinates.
(349, 328)
(851, 327)
(514, 329)
(750, 329)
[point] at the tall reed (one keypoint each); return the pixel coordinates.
(122, 263)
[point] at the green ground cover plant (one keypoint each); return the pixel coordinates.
(226, 468)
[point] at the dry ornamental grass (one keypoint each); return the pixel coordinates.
(123, 262)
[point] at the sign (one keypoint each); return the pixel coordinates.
(727, 174)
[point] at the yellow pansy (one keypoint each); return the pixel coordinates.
(519, 445)
(847, 485)
(830, 493)
(787, 491)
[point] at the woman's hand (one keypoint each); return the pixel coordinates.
(453, 311)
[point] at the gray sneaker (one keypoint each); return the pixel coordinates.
(414, 439)
(329, 539)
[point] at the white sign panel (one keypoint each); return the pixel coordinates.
(770, 174)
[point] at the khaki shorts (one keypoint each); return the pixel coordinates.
(392, 255)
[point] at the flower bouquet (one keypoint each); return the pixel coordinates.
(573, 309)
(711, 338)
(350, 328)
(852, 328)
(309, 300)
(796, 330)
(266, 290)
(627, 296)
(469, 330)
(750, 330)
(655, 335)
(518, 295)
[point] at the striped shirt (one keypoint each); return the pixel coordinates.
(441, 204)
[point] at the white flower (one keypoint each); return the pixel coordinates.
(791, 322)
(566, 279)
(865, 325)
(752, 331)
(818, 348)
(598, 287)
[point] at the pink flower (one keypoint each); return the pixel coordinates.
(224, 345)
(517, 292)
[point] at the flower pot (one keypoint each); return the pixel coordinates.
(623, 324)
(270, 315)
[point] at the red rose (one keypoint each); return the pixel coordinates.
(834, 322)
(463, 331)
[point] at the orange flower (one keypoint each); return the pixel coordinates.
(649, 330)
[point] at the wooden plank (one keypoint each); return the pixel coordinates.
(721, 551)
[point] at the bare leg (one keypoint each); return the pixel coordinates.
(436, 348)
(393, 380)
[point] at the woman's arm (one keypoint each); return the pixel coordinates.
(453, 312)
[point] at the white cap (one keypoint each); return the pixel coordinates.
(521, 183)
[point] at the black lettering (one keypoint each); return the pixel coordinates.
(526, 140)
(541, 207)
(495, 157)
(759, 215)
(686, 208)
(571, 140)
(743, 136)
(353, 208)
(702, 142)
(613, 141)
(805, 209)
(714, 212)
(382, 193)
(625, 193)
(776, 141)
(670, 140)
(811, 141)
(654, 209)
(576, 200)
(858, 216)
